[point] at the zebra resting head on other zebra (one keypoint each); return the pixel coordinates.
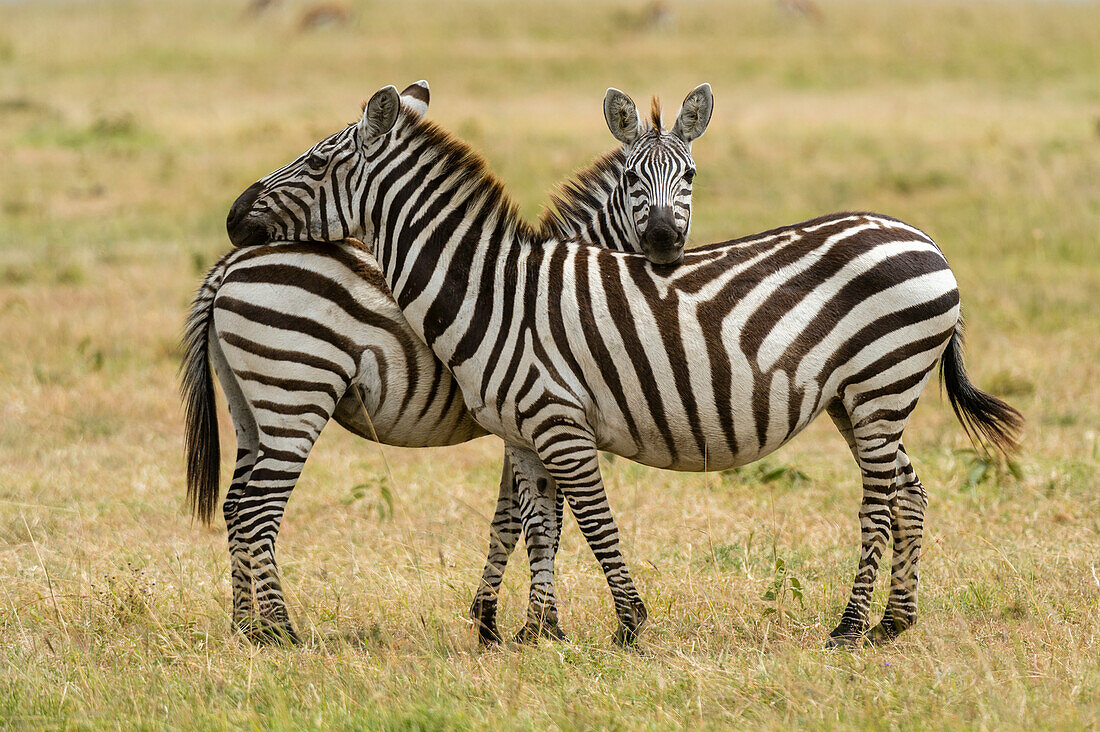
(647, 183)
(301, 333)
(247, 223)
(564, 349)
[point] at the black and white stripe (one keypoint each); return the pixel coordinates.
(299, 333)
(563, 349)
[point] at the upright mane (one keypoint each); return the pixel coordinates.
(470, 171)
(573, 201)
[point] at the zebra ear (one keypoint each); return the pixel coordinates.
(694, 115)
(380, 114)
(622, 116)
(416, 97)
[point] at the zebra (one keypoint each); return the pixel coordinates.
(563, 349)
(286, 370)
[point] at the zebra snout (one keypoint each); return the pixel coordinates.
(662, 241)
(662, 237)
(245, 230)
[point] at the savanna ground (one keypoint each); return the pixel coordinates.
(127, 129)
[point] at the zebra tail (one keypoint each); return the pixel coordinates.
(986, 419)
(201, 443)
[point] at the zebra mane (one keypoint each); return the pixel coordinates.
(470, 171)
(574, 201)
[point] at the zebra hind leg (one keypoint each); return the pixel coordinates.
(876, 447)
(908, 529)
(259, 515)
(246, 618)
(571, 458)
(240, 560)
(503, 534)
(537, 502)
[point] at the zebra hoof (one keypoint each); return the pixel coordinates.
(848, 635)
(530, 633)
(845, 640)
(627, 637)
(885, 632)
(484, 614)
(260, 633)
(488, 636)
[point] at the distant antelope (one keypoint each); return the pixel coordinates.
(324, 14)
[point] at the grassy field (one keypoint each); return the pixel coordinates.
(127, 129)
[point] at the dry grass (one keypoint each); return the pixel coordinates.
(127, 129)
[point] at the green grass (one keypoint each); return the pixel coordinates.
(127, 129)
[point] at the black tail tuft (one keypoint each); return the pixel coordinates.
(986, 419)
(201, 443)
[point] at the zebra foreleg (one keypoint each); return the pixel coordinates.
(908, 530)
(503, 534)
(573, 461)
(537, 501)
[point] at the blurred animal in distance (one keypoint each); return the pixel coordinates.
(324, 15)
(803, 9)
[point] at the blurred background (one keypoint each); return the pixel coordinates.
(128, 128)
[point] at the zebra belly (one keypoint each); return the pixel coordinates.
(679, 448)
(454, 428)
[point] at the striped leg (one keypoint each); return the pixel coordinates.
(559, 512)
(908, 530)
(281, 406)
(239, 558)
(259, 514)
(248, 446)
(570, 456)
(876, 447)
(503, 534)
(522, 487)
(537, 501)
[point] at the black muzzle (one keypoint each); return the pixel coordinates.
(662, 242)
(245, 230)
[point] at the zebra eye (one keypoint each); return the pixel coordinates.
(632, 178)
(315, 161)
(689, 176)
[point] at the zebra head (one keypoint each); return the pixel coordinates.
(314, 197)
(659, 169)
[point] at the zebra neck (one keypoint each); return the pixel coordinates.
(605, 222)
(444, 231)
(592, 207)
